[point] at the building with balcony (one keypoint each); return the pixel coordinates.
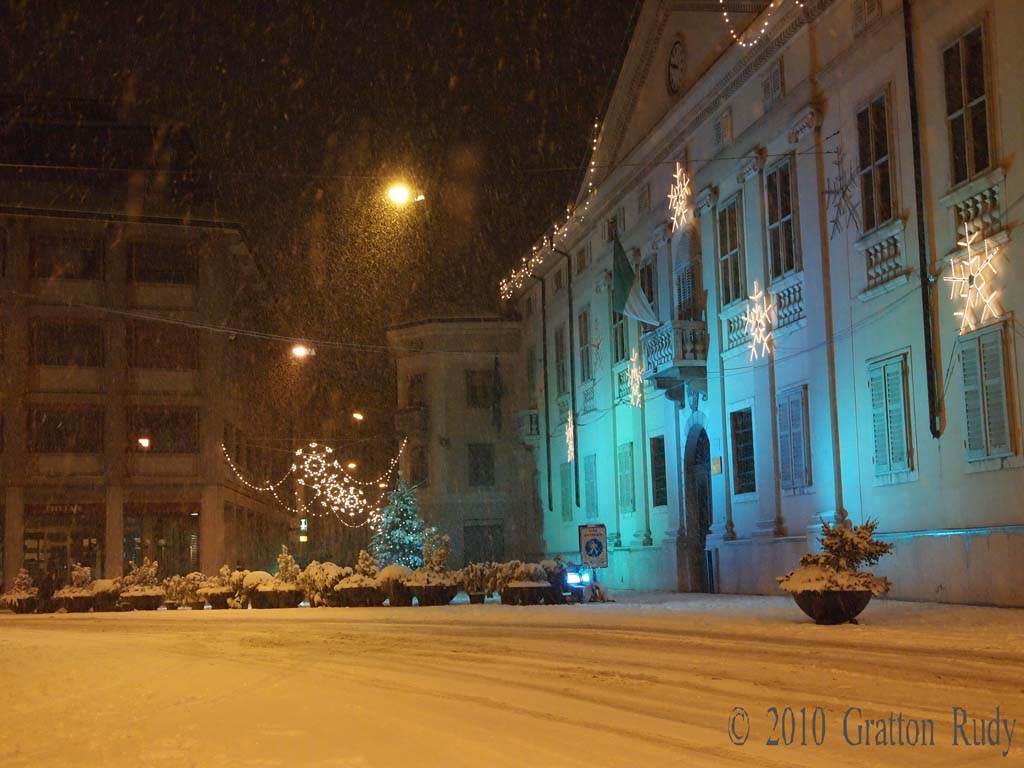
(847, 170)
(115, 399)
(460, 410)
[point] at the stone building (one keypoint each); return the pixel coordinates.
(114, 399)
(826, 161)
(467, 452)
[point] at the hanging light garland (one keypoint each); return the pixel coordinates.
(970, 283)
(333, 490)
(748, 40)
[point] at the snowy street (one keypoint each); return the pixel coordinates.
(648, 681)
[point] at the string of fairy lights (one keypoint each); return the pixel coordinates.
(332, 490)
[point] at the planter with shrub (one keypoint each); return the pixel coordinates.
(77, 596)
(140, 587)
(317, 581)
(217, 590)
(391, 581)
(478, 581)
(360, 589)
(524, 584)
(433, 583)
(22, 596)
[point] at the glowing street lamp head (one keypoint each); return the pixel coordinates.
(300, 351)
(351, 465)
(399, 194)
(144, 443)
(358, 416)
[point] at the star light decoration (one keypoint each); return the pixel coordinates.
(679, 198)
(969, 282)
(635, 376)
(758, 321)
(333, 490)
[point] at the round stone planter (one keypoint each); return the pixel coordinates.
(359, 597)
(143, 602)
(76, 603)
(397, 593)
(833, 606)
(171, 605)
(200, 604)
(524, 595)
(274, 598)
(23, 604)
(218, 600)
(476, 599)
(105, 602)
(435, 594)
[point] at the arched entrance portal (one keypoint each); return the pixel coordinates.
(697, 482)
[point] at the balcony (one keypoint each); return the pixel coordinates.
(677, 353)
(412, 421)
(529, 427)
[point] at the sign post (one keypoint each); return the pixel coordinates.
(594, 546)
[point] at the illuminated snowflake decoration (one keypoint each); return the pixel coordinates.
(679, 198)
(635, 376)
(970, 281)
(758, 321)
(841, 197)
(570, 442)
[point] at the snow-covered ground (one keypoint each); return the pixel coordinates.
(648, 681)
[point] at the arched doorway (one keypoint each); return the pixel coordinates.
(697, 479)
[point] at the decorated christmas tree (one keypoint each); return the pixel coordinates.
(400, 530)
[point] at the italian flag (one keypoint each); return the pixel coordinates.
(627, 295)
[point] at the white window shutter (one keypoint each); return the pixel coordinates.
(798, 436)
(993, 375)
(974, 422)
(684, 291)
(590, 484)
(785, 443)
(879, 420)
(625, 462)
(899, 459)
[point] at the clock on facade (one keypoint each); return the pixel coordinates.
(676, 66)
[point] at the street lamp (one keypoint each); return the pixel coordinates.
(144, 443)
(301, 351)
(351, 465)
(400, 194)
(358, 416)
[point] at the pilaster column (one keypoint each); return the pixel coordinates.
(14, 532)
(113, 533)
(211, 530)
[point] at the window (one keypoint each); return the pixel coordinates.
(590, 485)
(873, 153)
(986, 421)
(864, 13)
(772, 85)
(723, 129)
(561, 374)
(174, 430)
(173, 263)
(620, 333)
(890, 426)
(686, 305)
(624, 461)
(730, 252)
(531, 371)
(67, 342)
(782, 242)
(659, 487)
(643, 200)
(559, 280)
(583, 258)
(481, 465)
(741, 424)
(649, 282)
(565, 485)
(65, 429)
(161, 346)
(416, 391)
(966, 106)
(794, 447)
(418, 468)
(586, 352)
(479, 389)
(615, 225)
(67, 257)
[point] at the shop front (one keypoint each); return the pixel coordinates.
(60, 534)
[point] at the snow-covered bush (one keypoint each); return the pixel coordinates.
(554, 569)
(184, 589)
(319, 579)
(142, 579)
(529, 575)
(21, 588)
(367, 564)
(397, 573)
(434, 571)
(478, 578)
(401, 530)
(81, 582)
(173, 588)
(287, 569)
(504, 573)
(835, 568)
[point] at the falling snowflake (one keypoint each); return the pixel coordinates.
(757, 321)
(970, 283)
(679, 198)
(635, 376)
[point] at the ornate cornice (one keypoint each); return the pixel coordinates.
(706, 199)
(808, 120)
(750, 165)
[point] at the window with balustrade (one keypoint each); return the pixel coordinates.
(783, 242)
(730, 252)
(967, 120)
(873, 162)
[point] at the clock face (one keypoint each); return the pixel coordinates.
(676, 66)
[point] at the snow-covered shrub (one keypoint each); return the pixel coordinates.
(478, 578)
(142, 579)
(391, 579)
(173, 588)
(504, 573)
(81, 582)
(529, 575)
(554, 569)
(389, 573)
(844, 550)
(21, 588)
(191, 583)
(367, 565)
(287, 569)
(318, 580)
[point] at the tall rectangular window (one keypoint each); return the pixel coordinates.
(419, 473)
(794, 447)
(173, 429)
(686, 299)
(643, 199)
(890, 424)
(416, 391)
(65, 429)
(590, 485)
(783, 247)
(565, 486)
(559, 279)
(966, 106)
(531, 371)
(649, 282)
(741, 424)
(873, 162)
(659, 484)
(169, 263)
(730, 252)
(987, 430)
(162, 346)
(586, 352)
(583, 258)
(481, 465)
(620, 335)
(67, 257)
(65, 341)
(624, 466)
(479, 389)
(561, 354)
